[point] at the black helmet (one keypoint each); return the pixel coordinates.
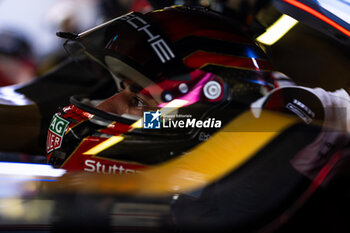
(194, 65)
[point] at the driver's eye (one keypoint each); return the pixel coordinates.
(137, 102)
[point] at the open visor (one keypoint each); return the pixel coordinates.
(137, 52)
(130, 46)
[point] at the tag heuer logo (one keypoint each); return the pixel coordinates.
(55, 134)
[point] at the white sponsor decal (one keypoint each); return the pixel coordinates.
(299, 112)
(98, 167)
(158, 44)
(303, 106)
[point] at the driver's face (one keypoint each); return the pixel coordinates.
(128, 102)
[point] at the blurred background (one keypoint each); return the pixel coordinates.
(29, 46)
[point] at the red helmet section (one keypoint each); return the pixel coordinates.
(91, 162)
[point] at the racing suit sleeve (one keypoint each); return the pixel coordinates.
(313, 105)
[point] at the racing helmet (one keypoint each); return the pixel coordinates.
(191, 63)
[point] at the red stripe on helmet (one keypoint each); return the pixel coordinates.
(201, 59)
(77, 160)
(178, 24)
(217, 35)
(116, 129)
